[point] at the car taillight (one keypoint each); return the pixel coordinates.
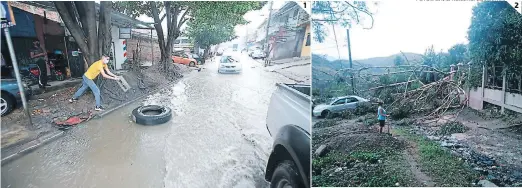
(36, 72)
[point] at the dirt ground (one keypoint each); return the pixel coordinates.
(52, 106)
(433, 152)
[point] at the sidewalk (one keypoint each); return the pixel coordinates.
(297, 70)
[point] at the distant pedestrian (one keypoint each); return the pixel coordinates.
(94, 70)
(381, 116)
(39, 57)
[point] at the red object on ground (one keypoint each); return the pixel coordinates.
(74, 120)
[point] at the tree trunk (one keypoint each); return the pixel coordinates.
(92, 36)
(75, 30)
(104, 29)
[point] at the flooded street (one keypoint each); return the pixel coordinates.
(216, 138)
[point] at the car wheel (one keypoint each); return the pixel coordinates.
(325, 114)
(7, 104)
(151, 115)
(192, 64)
(286, 176)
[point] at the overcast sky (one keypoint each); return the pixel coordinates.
(409, 26)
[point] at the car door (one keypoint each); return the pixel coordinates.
(351, 103)
(338, 105)
(185, 60)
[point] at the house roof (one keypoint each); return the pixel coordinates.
(117, 18)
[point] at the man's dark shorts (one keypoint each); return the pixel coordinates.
(381, 123)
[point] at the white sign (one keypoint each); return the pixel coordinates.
(306, 5)
(125, 33)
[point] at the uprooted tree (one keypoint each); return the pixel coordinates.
(80, 19)
(431, 86)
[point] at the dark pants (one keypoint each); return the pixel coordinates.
(43, 71)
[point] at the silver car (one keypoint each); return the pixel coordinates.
(337, 105)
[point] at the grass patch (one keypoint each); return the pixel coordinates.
(451, 128)
(445, 168)
(361, 169)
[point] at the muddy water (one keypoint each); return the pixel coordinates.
(216, 138)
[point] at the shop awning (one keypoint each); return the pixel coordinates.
(118, 19)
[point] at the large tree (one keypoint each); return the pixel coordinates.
(214, 22)
(176, 14)
(495, 39)
(80, 19)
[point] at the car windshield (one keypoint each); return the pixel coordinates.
(226, 59)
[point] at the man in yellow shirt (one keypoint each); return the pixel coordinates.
(94, 70)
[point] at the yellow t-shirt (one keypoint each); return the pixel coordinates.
(94, 69)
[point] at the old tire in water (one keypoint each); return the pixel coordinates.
(151, 115)
(285, 175)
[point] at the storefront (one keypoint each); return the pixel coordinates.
(39, 21)
(35, 24)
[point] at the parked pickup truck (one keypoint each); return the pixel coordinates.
(288, 122)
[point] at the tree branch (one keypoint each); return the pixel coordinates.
(183, 18)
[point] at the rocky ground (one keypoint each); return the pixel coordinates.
(53, 106)
(445, 151)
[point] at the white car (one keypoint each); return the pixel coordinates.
(337, 105)
(257, 53)
(228, 64)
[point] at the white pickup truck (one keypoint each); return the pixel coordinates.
(288, 122)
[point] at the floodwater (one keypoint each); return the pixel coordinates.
(216, 138)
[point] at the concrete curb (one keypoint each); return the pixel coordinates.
(100, 115)
(31, 146)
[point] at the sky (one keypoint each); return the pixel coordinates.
(407, 26)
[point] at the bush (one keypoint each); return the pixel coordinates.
(451, 128)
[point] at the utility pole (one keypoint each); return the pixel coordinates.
(17, 74)
(268, 27)
(350, 58)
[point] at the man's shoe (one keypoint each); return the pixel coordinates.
(47, 85)
(99, 108)
(72, 100)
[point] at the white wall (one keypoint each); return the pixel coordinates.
(119, 57)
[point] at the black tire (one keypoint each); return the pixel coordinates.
(9, 103)
(286, 174)
(165, 114)
(192, 64)
(325, 114)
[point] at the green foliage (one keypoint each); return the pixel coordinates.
(398, 61)
(341, 13)
(213, 22)
(452, 127)
(495, 38)
(366, 156)
(135, 8)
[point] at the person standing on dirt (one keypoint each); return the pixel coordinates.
(40, 59)
(94, 70)
(381, 116)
